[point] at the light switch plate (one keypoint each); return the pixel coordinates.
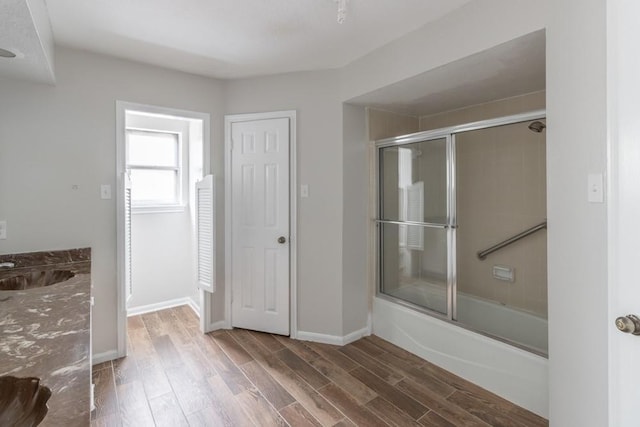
(3, 230)
(595, 183)
(105, 191)
(304, 190)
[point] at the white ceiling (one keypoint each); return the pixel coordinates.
(26, 32)
(238, 38)
(510, 69)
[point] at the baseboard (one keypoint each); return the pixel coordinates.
(194, 306)
(333, 339)
(142, 309)
(222, 324)
(321, 338)
(356, 335)
(104, 357)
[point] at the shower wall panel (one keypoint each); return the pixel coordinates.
(385, 124)
(501, 191)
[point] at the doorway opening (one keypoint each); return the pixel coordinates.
(162, 154)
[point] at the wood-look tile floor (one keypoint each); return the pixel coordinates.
(176, 376)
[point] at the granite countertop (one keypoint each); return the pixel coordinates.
(45, 333)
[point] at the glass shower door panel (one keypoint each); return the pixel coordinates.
(501, 192)
(414, 265)
(413, 182)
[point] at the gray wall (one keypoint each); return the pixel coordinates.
(356, 224)
(54, 137)
(577, 233)
(314, 95)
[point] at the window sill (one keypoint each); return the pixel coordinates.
(158, 209)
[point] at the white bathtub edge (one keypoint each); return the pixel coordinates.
(514, 374)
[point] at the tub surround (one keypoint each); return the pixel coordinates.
(45, 331)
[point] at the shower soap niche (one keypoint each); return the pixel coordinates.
(506, 274)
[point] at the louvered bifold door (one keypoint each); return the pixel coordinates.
(127, 235)
(206, 233)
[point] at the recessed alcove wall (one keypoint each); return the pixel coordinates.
(386, 124)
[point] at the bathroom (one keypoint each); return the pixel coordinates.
(318, 186)
(66, 176)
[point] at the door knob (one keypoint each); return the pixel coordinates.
(282, 239)
(629, 324)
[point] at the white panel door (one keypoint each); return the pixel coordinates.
(260, 225)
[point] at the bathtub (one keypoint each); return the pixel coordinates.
(504, 322)
(508, 370)
(488, 317)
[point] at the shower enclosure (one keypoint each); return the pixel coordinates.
(461, 226)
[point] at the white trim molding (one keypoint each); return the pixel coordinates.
(334, 339)
(104, 357)
(221, 324)
(149, 308)
(293, 211)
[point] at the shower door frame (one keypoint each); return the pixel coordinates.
(448, 133)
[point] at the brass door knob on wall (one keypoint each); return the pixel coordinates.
(629, 324)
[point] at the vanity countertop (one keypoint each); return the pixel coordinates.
(45, 333)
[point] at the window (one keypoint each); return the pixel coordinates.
(154, 164)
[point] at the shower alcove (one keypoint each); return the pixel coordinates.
(461, 226)
(455, 169)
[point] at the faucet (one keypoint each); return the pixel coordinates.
(7, 264)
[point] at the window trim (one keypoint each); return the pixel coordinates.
(155, 206)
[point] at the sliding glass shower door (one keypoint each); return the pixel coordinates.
(414, 223)
(501, 239)
(461, 214)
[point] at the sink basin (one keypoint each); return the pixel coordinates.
(35, 279)
(23, 401)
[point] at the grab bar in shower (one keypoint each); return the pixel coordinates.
(510, 240)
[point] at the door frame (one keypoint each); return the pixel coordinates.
(229, 120)
(121, 292)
